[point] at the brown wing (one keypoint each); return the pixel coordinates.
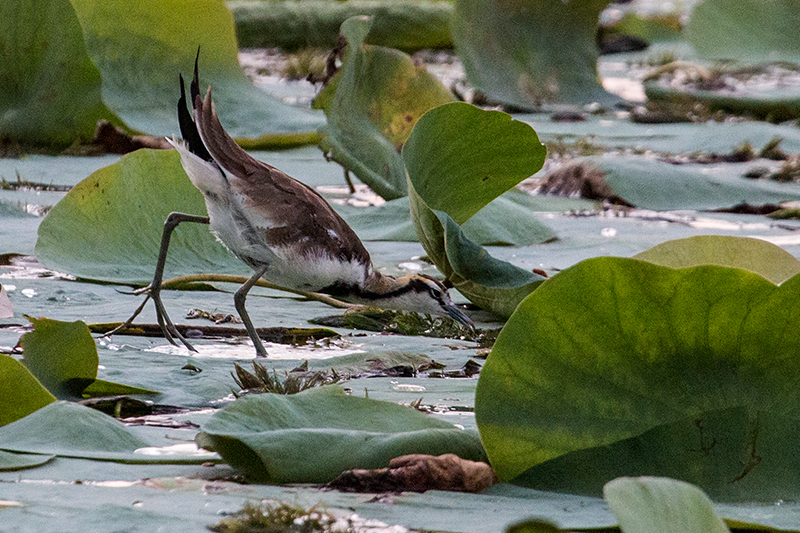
(302, 217)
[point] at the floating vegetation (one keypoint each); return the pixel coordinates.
(272, 517)
(262, 381)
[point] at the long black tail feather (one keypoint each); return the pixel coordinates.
(188, 127)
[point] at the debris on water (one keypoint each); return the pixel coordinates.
(261, 381)
(399, 322)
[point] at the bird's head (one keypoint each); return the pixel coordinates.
(423, 294)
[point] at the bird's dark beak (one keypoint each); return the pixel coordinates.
(459, 316)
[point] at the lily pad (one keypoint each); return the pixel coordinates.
(68, 429)
(450, 179)
(648, 504)
(63, 356)
(20, 392)
(716, 26)
(51, 89)
(612, 347)
(532, 52)
(108, 227)
(372, 105)
(755, 255)
(662, 186)
(141, 47)
(315, 435)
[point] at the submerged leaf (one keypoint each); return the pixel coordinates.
(20, 392)
(531, 52)
(451, 178)
(315, 435)
(51, 89)
(372, 104)
(613, 347)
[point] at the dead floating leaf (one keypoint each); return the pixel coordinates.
(582, 180)
(399, 322)
(419, 473)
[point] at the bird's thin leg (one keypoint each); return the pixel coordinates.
(154, 289)
(238, 300)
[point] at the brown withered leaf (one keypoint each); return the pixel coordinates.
(419, 473)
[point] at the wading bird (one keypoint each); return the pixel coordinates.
(283, 229)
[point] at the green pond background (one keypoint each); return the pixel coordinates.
(673, 201)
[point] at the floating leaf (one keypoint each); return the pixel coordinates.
(141, 47)
(51, 90)
(650, 504)
(612, 347)
(531, 52)
(68, 429)
(108, 227)
(716, 26)
(315, 435)
(372, 104)
(450, 179)
(63, 356)
(20, 393)
(755, 255)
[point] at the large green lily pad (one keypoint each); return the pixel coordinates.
(141, 47)
(372, 104)
(450, 179)
(108, 227)
(613, 347)
(51, 89)
(531, 52)
(315, 435)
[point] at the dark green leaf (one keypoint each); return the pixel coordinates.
(62, 355)
(21, 461)
(20, 393)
